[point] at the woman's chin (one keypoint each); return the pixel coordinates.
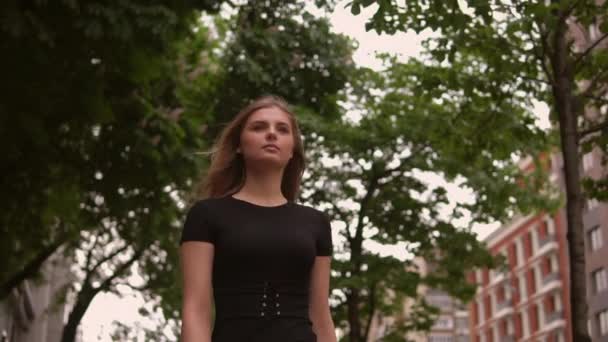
(273, 161)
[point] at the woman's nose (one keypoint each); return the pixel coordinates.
(272, 134)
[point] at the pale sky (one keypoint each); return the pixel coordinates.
(96, 324)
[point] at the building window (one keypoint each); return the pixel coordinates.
(523, 294)
(528, 245)
(594, 32)
(487, 307)
(482, 315)
(595, 238)
(531, 280)
(441, 338)
(439, 300)
(519, 252)
(599, 280)
(444, 322)
(462, 323)
(602, 322)
(588, 161)
(592, 204)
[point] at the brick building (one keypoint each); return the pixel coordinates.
(529, 301)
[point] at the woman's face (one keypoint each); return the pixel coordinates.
(267, 136)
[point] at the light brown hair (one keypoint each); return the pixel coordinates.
(226, 174)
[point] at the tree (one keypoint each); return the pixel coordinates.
(97, 146)
(278, 47)
(137, 165)
(61, 75)
(540, 50)
(375, 187)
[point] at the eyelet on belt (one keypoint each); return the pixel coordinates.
(268, 291)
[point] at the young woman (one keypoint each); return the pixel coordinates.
(248, 248)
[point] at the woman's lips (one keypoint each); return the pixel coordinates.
(271, 147)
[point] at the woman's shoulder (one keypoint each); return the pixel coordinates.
(207, 205)
(309, 210)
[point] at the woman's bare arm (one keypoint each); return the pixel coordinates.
(319, 312)
(196, 264)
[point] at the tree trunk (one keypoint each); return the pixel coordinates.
(84, 299)
(563, 92)
(29, 270)
(88, 292)
(354, 334)
(354, 296)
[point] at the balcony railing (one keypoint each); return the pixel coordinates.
(440, 300)
(507, 303)
(546, 240)
(508, 338)
(550, 277)
(554, 316)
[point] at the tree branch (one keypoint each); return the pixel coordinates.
(566, 14)
(598, 101)
(372, 310)
(91, 271)
(540, 56)
(133, 287)
(593, 83)
(593, 129)
(399, 169)
(118, 272)
(31, 267)
(90, 252)
(588, 51)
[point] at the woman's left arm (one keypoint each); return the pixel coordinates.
(319, 312)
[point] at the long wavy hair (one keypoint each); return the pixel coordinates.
(226, 174)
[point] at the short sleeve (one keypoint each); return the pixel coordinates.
(324, 242)
(197, 226)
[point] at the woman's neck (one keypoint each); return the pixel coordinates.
(262, 187)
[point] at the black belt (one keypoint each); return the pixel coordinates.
(266, 300)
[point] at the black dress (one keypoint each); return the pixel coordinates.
(261, 267)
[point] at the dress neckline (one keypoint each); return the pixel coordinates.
(259, 205)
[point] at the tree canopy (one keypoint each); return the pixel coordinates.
(549, 51)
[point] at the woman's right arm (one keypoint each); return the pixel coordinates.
(196, 263)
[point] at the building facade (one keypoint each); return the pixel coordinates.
(529, 300)
(452, 324)
(595, 214)
(595, 222)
